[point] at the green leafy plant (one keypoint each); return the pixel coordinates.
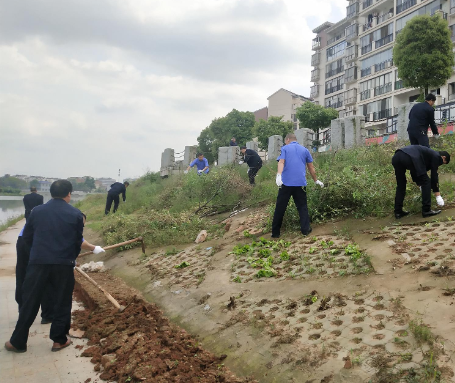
(182, 265)
(237, 279)
(284, 256)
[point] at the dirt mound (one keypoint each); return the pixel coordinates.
(140, 344)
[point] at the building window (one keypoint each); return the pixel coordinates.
(425, 10)
(380, 61)
(336, 51)
(334, 85)
(334, 101)
(378, 110)
(334, 68)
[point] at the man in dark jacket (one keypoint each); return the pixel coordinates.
(54, 234)
(418, 160)
(420, 117)
(233, 142)
(113, 195)
(31, 200)
(254, 162)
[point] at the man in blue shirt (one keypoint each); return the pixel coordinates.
(116, 189)
(201, 163)
(292, 164)
(54, 234)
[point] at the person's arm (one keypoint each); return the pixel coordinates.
(434, 128)
(27, 235)
(87, 246)
(435, 176)
(206, 165)
(312, 171)
(281, 166)
(124, 193)
(191, 165)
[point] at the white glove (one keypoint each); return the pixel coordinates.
(98, 249)
(185, 172)
(240, 162)
(279, 182)
(319, 183)
(199, 171)
(439, 200)
(436, 135)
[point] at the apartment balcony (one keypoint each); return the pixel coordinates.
(452, 10)
(333, 89)
(365, 72)
(350, 97)
(316, 43)
(315, 75)
(399, 85)
(352, 32)
(367, 48)
(352, 10)
(314, 91)
(368, 3)
(406, 5)
(316, 59)
(382, 114)
(384, 65)
(365, 95)
(378, 20)
(382, 89)
(385, 40)
(440, 13)
(351, 53)
(350, 77)
(336, 38)
(334, 72)
(335, 105)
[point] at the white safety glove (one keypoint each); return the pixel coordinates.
(319, 183)
(439, 200)
(199, 171)
(185, 172)
(279, 182)
(436, 135)
(240, 162)
(98, 249)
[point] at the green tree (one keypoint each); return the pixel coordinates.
(263, 129)
(90, 183)
(34, 183)
(315, 117)
(12, 182)
(235, 124)
(423, 53)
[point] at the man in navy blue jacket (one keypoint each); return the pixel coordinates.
(420, 117)
(54, 234)
(31, 200)
(113, 195)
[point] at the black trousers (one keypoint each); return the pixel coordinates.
(298, 193)
(402, 162)
(47, 303)
(38, 277)
(419, 138)
(252, 173)
(110, 198)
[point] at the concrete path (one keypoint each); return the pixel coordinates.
(38, 364)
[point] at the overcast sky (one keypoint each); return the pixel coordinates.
(88, 87)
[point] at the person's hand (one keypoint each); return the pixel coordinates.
(279, 182)
(185, 172)
(439, 200)
(240, 162)
(199, 171)
(436, 136)
(98, 249)
(319, 183)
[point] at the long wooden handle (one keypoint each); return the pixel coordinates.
(108, 296)
(138, 239)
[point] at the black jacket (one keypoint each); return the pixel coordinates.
(424, 159)
(54, 233)
(232, 143)
(117, 188)
(252, 158)
(420, 116)
(30, 201)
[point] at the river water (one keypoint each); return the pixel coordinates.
(12, 206)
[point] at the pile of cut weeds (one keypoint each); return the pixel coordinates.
(140, 344)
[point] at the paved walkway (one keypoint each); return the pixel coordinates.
(38, 364)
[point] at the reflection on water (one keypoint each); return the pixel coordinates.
(12, 206)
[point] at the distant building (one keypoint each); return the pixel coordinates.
(261, 114)
(44, 186)
(284, 103)
(105, 182)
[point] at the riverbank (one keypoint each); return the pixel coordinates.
(11, 222)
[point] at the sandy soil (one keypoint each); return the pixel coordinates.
(322, 312)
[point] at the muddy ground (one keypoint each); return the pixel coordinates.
(358, 301)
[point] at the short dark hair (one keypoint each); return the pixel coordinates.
(242, 147)
(430, 97)
(446, 155)
(33, 189)
(126, 183)
(61, 188)
(199, 154)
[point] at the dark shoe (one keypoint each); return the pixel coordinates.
(58, 346)
(275, 236)
(10, 347)
(308, 232)
(401, 214)
(46, 321)
(430, 213)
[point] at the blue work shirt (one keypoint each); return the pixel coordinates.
(200, 164)
(295, 158)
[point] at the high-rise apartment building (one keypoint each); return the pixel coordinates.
(353, 67)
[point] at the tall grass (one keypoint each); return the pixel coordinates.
(359, 182)
(10, 222)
